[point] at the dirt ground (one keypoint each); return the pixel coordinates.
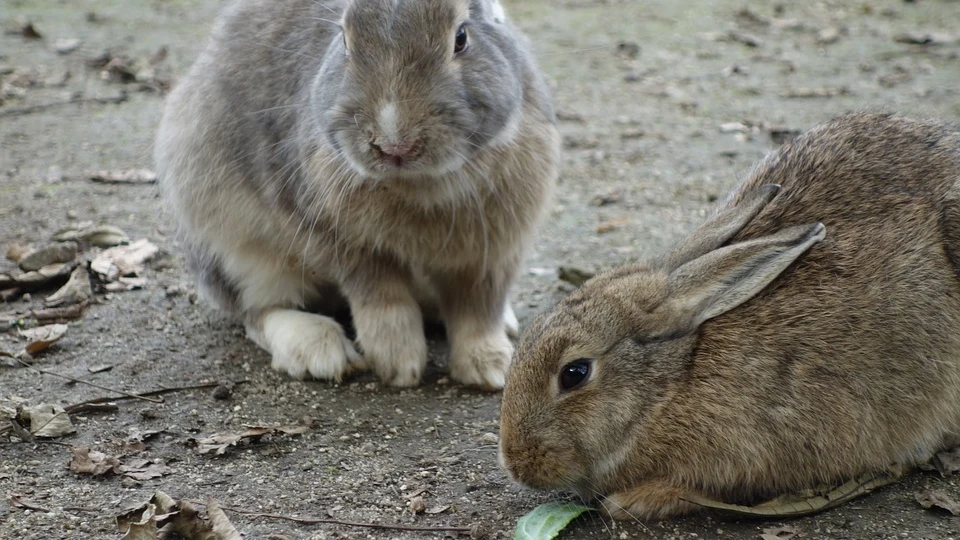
(663, 104)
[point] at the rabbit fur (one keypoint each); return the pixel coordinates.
(323, 153)
(802, 336)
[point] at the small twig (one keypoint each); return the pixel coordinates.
(17, 502)
(318, 521)
(18, 111)
(69, 378)
(143, 395)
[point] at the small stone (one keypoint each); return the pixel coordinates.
(222, 392)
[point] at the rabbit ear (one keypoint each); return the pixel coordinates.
(717, 230)
(727, 277)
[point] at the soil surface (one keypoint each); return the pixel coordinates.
(663, 104)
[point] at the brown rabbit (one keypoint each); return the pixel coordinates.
(803, 336)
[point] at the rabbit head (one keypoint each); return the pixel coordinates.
(415, 88)
(590, 371)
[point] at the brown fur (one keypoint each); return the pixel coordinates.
(843, 359)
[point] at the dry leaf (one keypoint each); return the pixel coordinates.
(16, 251)
(142, 469)
(58, 252)
(123, 176)
(47, 420)
(222, 527)
(76, 290)
(66, 46)
(947, 463)
(437, 509)
(219, 443)
(938, 499)
(126, 260)
(38, 279)
(42, 337)
(89, 461)
(816, 92)
(28, 31)
(180, 519)
(785, 532)
(100, 236)
(126, 284)
(612, 225)
(416, 505)
(573, 276)
(926, 38)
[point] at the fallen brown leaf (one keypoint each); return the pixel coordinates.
(124, 176)
(437, 509)
(76, 290)
(66, 45)
(48, 275)
(47, 420)
(938, 499)
(179, 517)
(142, 469)
(42, 337)
(28, 31)
(58, 252)
(17, 501)
(926, 38)
(126, 260)
(126, 284)
(219, 443)
(16, 251)
(816, 92)
(104, 236)
(612, 225)
(573, 276)
(785, 532)
(416, 505)
(947, 463)
(87, 461)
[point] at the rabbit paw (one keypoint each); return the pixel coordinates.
(650, 500)
(482, 362)
(305, 344)
(393, 342)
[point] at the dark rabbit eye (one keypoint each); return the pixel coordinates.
(460, 41)
(574, 374)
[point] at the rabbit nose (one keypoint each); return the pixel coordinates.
(396, 154)
(403, 149)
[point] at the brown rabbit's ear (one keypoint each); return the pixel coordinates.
(727, 277)
(722, 227)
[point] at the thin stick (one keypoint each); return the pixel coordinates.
(69, 378)
(317, 521)
(141, 395)
(19, 111)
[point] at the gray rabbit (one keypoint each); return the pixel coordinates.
(395, 156)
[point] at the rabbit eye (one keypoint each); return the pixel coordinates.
(574, 374)
(460, 40)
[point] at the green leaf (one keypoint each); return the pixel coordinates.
(547, 520)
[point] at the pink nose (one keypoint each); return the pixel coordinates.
(403, 149)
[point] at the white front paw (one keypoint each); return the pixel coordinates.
(305, 344)
(393, 342)
(482, 362)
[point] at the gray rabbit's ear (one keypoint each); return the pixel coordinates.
(727, 277)
(491, 9)
(722, 227)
